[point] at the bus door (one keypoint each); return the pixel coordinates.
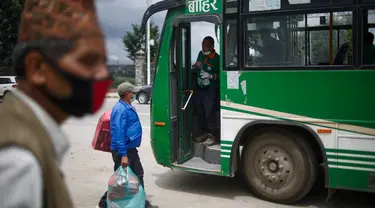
(185, 93)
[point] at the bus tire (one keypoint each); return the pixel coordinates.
(278, 166)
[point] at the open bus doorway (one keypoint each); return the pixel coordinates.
(205, 54)
(186, 83)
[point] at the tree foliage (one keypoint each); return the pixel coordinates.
(10, 13)
(120, 79)
(134, 41)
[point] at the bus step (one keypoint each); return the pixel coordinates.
(212, 154)
(198, 149)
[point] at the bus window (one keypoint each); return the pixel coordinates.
(230, 6)
(318, 27)
(173, 55)
(368, 51)
(288, 41)
(231, 37)
(261, 5)
(275, 41)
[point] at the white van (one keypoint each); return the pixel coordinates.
(7, 84)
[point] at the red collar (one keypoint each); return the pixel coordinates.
(212, 55)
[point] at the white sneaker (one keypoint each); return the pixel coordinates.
(97, 206)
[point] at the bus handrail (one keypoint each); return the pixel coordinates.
(188, 100)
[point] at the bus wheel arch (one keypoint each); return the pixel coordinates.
(250, 130)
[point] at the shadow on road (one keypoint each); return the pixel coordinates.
(230, 188)
(201, 184)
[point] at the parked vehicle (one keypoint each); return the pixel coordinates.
(144, 95)
(7, 84)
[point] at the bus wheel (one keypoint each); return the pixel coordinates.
(278, 166)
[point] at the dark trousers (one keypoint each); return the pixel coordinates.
(206, 106)
(134, 163)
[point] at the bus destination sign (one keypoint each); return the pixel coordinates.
(203, 6)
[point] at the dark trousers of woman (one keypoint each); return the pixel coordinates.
(134, 163)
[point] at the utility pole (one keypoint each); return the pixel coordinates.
(148, 43)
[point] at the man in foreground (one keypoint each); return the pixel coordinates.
(61, 69)
(126, 135)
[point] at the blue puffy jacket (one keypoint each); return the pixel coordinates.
(126, 129)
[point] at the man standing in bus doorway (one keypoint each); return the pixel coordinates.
(126, 136)
(206, 100)
(60, 64)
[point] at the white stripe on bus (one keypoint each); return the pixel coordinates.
(351, 168)
(351, 161)
(351, 155)
(294, 117)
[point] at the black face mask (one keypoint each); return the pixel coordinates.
(87, 94)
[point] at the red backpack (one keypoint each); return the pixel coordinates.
(102, 137)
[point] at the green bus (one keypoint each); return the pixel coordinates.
(306, 100)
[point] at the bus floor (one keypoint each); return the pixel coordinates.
(205, 158)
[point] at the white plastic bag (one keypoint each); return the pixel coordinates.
(125, 190)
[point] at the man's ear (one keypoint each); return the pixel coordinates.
(33, 68)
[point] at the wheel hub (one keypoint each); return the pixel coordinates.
(274, 167)
(142, 98)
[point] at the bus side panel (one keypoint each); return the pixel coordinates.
(352, 164)
(340, 100)
(338, 96)
(160, 135)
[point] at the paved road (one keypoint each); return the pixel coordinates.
(87, 172)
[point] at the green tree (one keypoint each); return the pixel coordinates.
(10, 13)
(134, 41)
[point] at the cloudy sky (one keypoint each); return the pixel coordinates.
(116, 17)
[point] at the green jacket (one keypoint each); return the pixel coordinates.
(211, 65)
